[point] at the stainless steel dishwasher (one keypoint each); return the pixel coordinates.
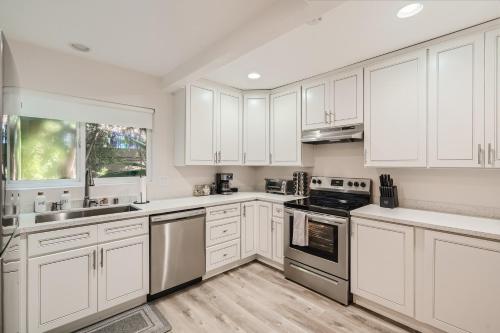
(177, 256)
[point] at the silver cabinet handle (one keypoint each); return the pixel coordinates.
(102, 257)
(220, 156)
(215, 157)
(489, 154)
(244, 211)
(327, 114)
(244, 157)
(94, 259)
(270, 158)
(479, 154)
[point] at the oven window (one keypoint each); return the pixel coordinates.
(323, 240)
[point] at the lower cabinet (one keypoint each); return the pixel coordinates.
(62, 288)
(249, 229)
(277, 231)
(461, 283)
(10, 288)
(382, 264)
(222, 254)
(264, 213)
(123, 271)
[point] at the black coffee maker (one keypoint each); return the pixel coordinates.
(222, 185)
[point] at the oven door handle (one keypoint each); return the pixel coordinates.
(323, 218)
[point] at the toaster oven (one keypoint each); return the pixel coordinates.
(280, 186)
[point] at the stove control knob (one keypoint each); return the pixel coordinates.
(363, 184)
(314, 181)
(356, 184)
(319, 181)
(349, 183)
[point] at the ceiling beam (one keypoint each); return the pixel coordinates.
(277, 19)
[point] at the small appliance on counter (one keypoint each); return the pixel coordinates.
(279, 186)
(201, 190)
(300, 183)
(388, 192)
(222, 183)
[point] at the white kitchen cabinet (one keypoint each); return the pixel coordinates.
(461, 283)
(123, 271)
(346, 98)
(278, 235)
(315, 104)
(456, 102)
(286, 145)
(229, 127)
(62, 288)
(395, 111)
(249, 230)
(264, 213)
(492, 98)
(200, 140)
(382, 264)
(10, 290)
(256, 129)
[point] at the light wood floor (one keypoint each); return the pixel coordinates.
(257, 298)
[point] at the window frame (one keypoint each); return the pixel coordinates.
(79, 181)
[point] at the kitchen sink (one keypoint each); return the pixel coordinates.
(67, 215)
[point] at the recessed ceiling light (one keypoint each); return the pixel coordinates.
(254, 76)
(80, 47)
(410, 10)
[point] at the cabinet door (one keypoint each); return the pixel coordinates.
(461, 283)
(10, 289)
(456, 102)
(62, 288)
(123, 271)
(346, 91)
(249, 230)
(200, 119)
(229, 128)
(278, 235)
(492, 101)
(395, 112)
(264, 240)
(315, 105)
(382, 261)
(256, 129)
(286, 147)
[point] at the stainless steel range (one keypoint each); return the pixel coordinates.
(322, 262)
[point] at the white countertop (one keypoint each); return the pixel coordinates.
(27, 221)
(466, 225)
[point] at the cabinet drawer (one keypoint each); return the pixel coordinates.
(123, 229)
(224, 230)
(61, 240)
(278, 210)
(222, 212)
(222, 254)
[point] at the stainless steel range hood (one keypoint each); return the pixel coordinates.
(332, 135)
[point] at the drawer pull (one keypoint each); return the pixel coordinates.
(224, 255)
(224, 231)
(64, 239)
(130, 227)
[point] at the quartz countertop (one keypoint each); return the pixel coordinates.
(460, 224)
(27, 221)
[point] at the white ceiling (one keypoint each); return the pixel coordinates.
(152, 36)
(350, 32)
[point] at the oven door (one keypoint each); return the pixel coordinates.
(327, 248)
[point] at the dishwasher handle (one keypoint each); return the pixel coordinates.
(177, 215)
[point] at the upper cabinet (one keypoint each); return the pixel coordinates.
(456, 103)
(209, 126)
(492, 95)
(286, 147)
(256, 129)
(333, 101)
(395, 111)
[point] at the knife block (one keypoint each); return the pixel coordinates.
(389, 196)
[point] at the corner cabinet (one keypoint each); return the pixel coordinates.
(492, 98)
(208, 125)
(286, 145)
(461, 283)
(456, 103)
(382, 264)
(395, 111)
(256, 129)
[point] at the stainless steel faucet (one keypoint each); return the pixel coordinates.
(89, 181)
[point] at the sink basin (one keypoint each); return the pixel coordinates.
(61, 216)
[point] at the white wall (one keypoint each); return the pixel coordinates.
(33, 67)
